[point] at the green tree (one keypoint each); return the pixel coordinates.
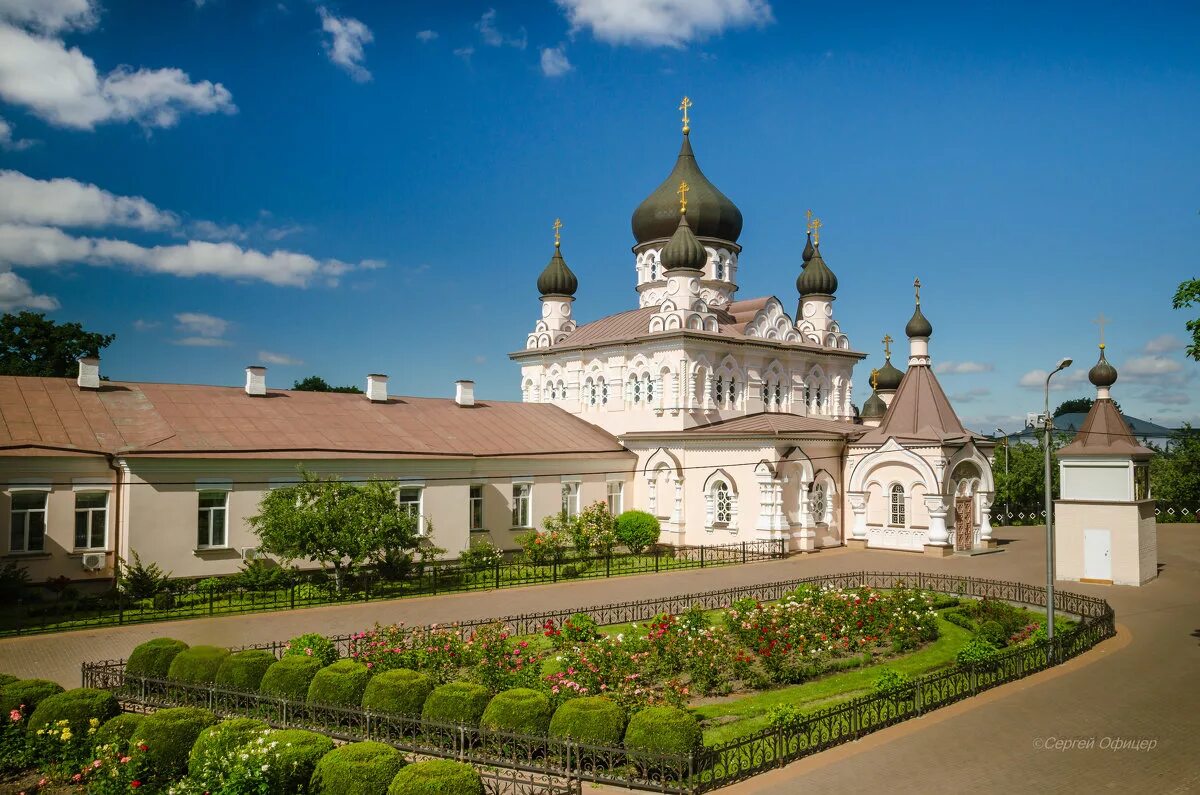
(1175, 473)
(315, 383)
(340, 525)
(32, 345)
(1078, 405)
(1023, 489)
(1187, 295)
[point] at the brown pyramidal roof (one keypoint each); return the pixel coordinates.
(919, 412)
(1104, 432)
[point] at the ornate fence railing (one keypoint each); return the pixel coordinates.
(711, 767)
(1025, 515)
(194, 598)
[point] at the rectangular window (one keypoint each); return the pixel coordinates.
(28, 527)
(616, 496)
(522, 506)
(410, 503)
(570, 498)
(476, 504)
(91, 519)
(210, 522)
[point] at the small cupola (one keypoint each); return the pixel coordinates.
(816, 278)
(557, 279)
(887, 378)
(683, 251)
(919, 330)
(1102, 375)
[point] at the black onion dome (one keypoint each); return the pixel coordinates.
(683, 251)
(1102, 373)
(710, 212)
(918, 325)
(557, 278)
(888, 377)
(808, 249)
(874, 408)
(816, 278)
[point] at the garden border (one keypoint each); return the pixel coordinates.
(711, 768)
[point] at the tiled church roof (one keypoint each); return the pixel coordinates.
(1104, 432)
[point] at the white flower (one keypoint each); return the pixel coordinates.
(264, 768)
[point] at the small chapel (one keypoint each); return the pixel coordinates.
(740, 414)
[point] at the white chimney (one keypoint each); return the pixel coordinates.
(256, 380)
(377, 388)
(89, 372)
(464, 393)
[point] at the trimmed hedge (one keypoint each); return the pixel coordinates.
(593, 720)
(437, 777)
(289, 677)
(28, 693)
(341, 684)
(118, 730)
(663, 730)
(153, 658)
(638, 530)
(169, 735)
(299, 751)
(244, 670)
(197, 665)
(78, 707)
(400, 691)
(520, 710)
(365, 768)
(217, 741)
(457, 702)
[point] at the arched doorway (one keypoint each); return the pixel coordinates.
(965, 482)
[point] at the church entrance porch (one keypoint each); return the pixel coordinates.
(964, 524)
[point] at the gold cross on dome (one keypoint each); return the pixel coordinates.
(874, 379)
(683, 191)
(558, 224)
(917, 289)
(814, 226)
(887, 345)
(1100, 321)
(683, 106)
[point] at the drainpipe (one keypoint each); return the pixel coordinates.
(116, 540)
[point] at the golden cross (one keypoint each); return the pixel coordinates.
(683, 106)
(557, 226)
(874, 379)
(917, 288)
(1100, 321)
(887, 345)
(814, 226)
(683, 191)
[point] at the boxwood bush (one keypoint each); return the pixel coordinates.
(244, 670)
(341, 684)
(520, 710)
(594, 720)
(457, 702)
(638, 530)
(663, 730)
(400, 691)
(356, 769)
(78, 707)
(169, 735)
(197, 665)
(27, 693)
(153, 658)
(118, 730)
(289, 677)
(299, 751)
(436, 777)
(217, 741)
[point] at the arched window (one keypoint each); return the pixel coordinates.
(817, 504)
(562, 390)
(897, 506)
(819, 404)
(778, 395)
(603, 392)
(719, 268)
(722, 503)
(732, 392)
(552, 390)
(589, 389)
(653, 268)
(718, 390)
(635, 390)
(648, 387)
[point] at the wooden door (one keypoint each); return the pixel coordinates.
(964, 525)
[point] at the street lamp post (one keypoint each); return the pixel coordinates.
(1007, 486)
(1049, 429)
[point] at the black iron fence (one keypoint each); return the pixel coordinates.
(711, 767)
(1003, 515)
(193, 598)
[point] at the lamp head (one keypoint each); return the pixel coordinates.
(1065, 363)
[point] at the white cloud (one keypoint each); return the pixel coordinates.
(145, 325)
(1164, 343)
(203, 342)
(1167, 397)
(494, 37)
(15, 293)
(267, 357)
(971, 395)
(1148, 368)
(554, 61)
(426, 35)
(465, 53)
(1036, 379)
(214, 231)
(51, 16)
(348, 36)
(63, 87)
(662, 23)
(962, 368)
(8, 142)
(67, 202)
(199, 323)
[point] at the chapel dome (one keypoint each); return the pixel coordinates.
(816, 278)
(874, 408)
(1102, 373)
(918, 325)
(888, 377)
(683, 251)
(710, 212)
(557, 278)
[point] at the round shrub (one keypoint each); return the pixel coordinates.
(78, 707)
(153, 658)
(592, 720)
(169, 735)
(312, 645)
(520, 710)
(341, 684)
(993, 633)
(216, 742)
(118, 731)
(197, 665)
(356, 769)
(436, 777)
(289, 678)
(638, 530)
(27, 693)
(401, 691)
(457, 702)
(244, 670)
(299, 751)
(663, 730)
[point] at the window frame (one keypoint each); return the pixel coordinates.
(571, 498)
(620, 496)
(897, 510)
(475, 508)
(24, 549)
(419, 512)
(211, 511)
(522, 500)
(90, 512)
(722, 515)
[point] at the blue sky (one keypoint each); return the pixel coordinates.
(356, 187)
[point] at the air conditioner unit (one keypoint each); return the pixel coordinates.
(251, 553)
(92, 561)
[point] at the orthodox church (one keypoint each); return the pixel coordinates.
(740, 414)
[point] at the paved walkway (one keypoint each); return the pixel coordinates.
(1145, 684)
